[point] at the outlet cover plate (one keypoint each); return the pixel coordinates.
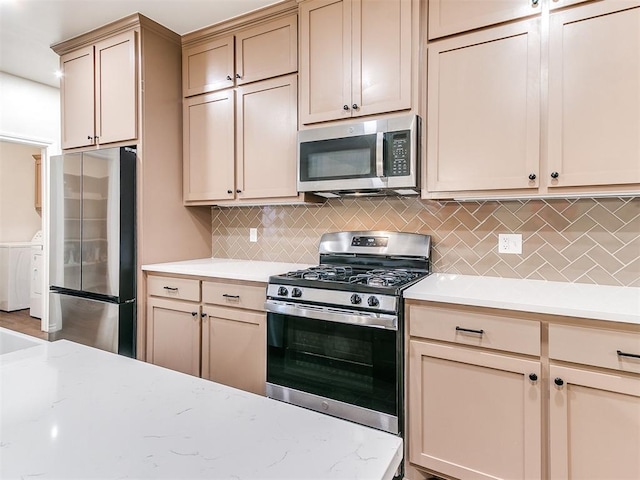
(253, 234)
(510, 243)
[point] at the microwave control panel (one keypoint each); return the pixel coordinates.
(398, 154)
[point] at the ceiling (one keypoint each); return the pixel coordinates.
(29, 27)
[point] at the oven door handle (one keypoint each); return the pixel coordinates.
(388, 322)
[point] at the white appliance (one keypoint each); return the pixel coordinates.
(14, 275)
(35, 308)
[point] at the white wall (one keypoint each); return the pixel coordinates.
(19, 220)
(29, 111)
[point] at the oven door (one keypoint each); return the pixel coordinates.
(345, 370)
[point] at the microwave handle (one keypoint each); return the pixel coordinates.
(380, 154)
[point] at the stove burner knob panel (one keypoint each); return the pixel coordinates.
(283, 292)
(296, 292)
(373, 302)
(356, 299)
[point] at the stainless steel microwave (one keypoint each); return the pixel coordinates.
(374, 157)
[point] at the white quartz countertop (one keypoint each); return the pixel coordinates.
(234, 269)
(71, 411)
(600, 302)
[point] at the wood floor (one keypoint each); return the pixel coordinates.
(21, 321)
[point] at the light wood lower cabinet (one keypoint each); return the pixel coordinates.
(494, 394)
(474, 413)
(234, 348)
(594, 403)
(215, 329)
(594, 425)
(173, 335)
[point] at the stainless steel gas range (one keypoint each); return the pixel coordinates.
(335, 331)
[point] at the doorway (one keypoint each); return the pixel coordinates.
(23, 227)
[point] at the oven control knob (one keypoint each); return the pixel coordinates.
(296, 292)
(356, 299)
(373, 301)
(283, 292)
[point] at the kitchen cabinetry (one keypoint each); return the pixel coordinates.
(594, 406)
(594, 95)
(242, 153)
(483, 97)
(173, 324)
(234, 335)
(98, 92)
(210, 328)
(447, 17)
(474, 393)
(263, 51)
(487, 89)
(147, 57)
(355, 58)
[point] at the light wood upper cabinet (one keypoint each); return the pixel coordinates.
(355, 58)
(209, 147)
(447, 17)
(266, 139)
(37, 201)
(208, 67)
(267, 50)
(594, 95)
(99, 92)
(245, 153)
(255, 53)
(483, 97)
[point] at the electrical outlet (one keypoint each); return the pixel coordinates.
(510, 243)
(253, 234)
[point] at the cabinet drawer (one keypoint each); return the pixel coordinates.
(468, 326)
(594, 346)
(231, 294)
(172, 287)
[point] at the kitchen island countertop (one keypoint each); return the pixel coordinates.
(598, 302)
(71, 411)
(228, 268)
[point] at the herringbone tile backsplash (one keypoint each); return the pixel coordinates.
(585, 240)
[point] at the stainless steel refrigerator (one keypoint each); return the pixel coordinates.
(92, 268)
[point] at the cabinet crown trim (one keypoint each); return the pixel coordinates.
(135, 20)
(233, 25)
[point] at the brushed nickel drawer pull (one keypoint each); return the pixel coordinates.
(171, 289)
(469, 330)
(623, 354)
(226, 295)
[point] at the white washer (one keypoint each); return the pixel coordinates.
(14, 275)
(35, 309)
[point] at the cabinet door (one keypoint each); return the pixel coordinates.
(209, 138)
(381, 53)
(594, 425)
(116, 99)
(208, 67)
(594, 95)
(474, 414)
(325, 60)
(234, 348)
(77, 95)
(483, 94)
(173, 335)
(454, 16)
(267, 131)
(268, 50)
